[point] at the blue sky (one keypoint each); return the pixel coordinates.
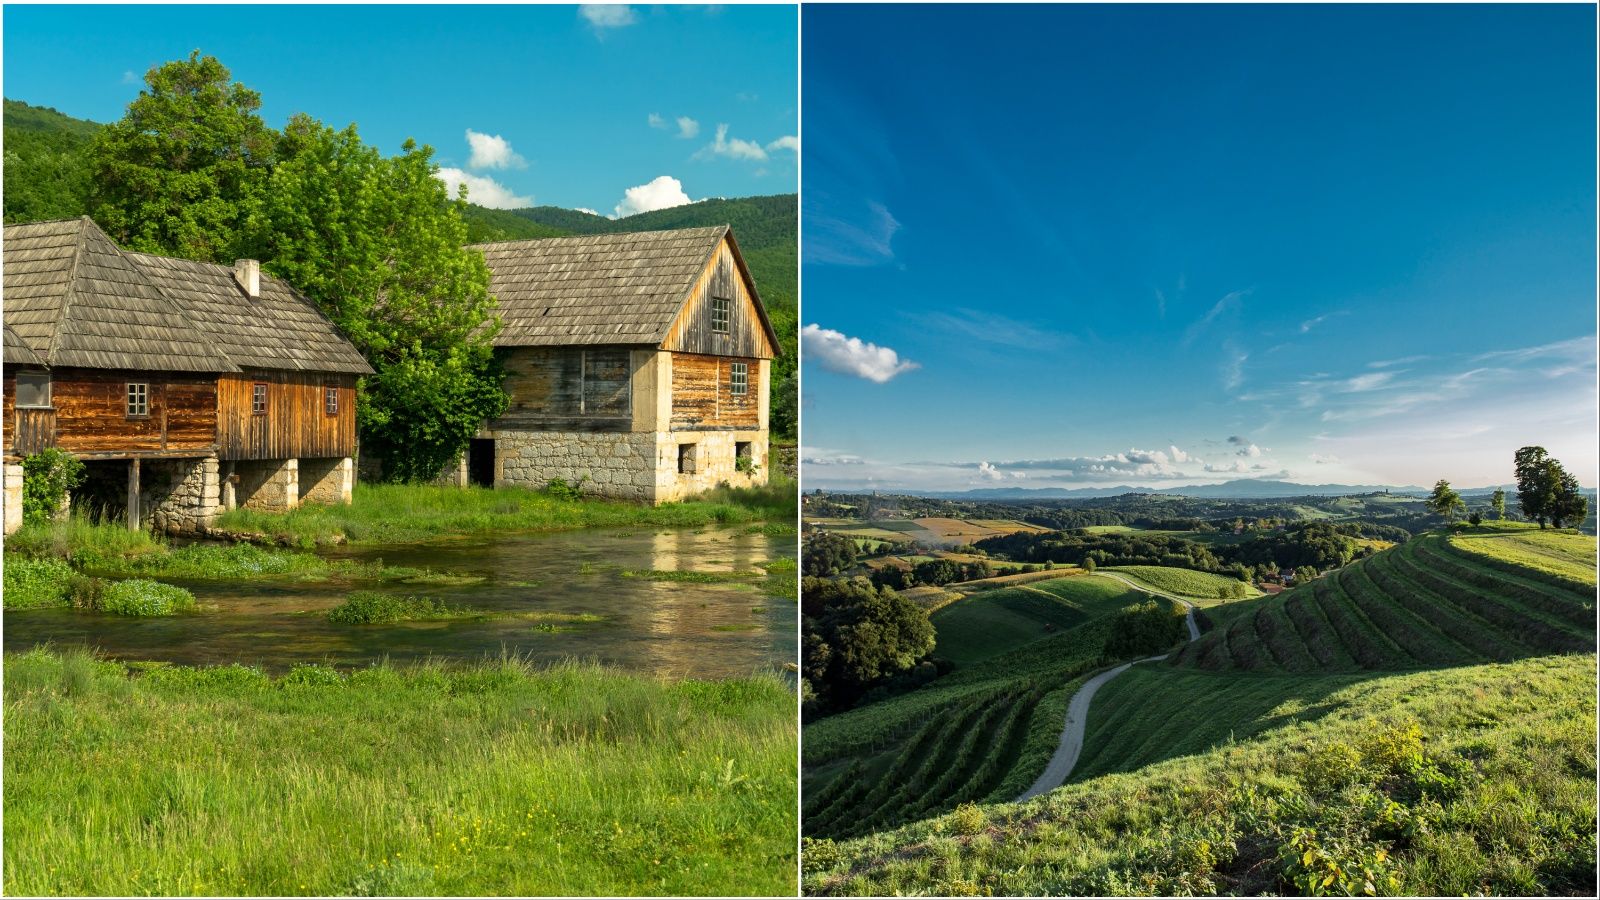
(1176, 245)
(572, 106)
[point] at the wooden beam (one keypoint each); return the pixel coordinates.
(133, 494)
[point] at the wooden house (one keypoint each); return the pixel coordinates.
(638, 365)
(191, 386)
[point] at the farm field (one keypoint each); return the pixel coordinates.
(1198, 586)
(988, 623)
(1447, 681)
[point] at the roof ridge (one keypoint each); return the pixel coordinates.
(70, 292)
(595, 234)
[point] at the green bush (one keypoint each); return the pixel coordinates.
(47, 477)
(36, 583)
(140, 597)
(375, 607)
(1143, 629)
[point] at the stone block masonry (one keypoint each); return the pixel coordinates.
(656, 467)
(13, 497)
(328, 481)
(269, 485)
(180, 496)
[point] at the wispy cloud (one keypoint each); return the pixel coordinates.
(491, 151)
(482, 190)
(661, 192)
(788, 142)
(604, 16)
(731, 148)
(687, 127)
(1233, 367)
(993, 328)
(863, 239)
(836, 352)
(1230, 302)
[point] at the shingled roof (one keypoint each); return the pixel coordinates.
(280, 329)
(17, 353)
(600, 288)
(74, 299)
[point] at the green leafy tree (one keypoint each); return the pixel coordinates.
(1497, 503)
(857, 636)
(47, 477)
(1445, 502)
(1536, 490)
(184, 171)
(1569, 505)
(377, 242)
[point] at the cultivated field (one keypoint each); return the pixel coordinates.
(1184, 582)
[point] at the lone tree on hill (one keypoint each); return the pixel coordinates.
(1546, 490)
(1497, 502)
(1444, 501)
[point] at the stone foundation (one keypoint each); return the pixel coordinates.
(269, 485)
(327, 480)
(179, 496)
(629, 465)
(12, 502)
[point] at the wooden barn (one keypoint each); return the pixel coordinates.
(185, 387)
(638, 365)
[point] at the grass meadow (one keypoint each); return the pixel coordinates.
(494, 779)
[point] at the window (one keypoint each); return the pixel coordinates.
(739, 379)
(33, 389)
(258, 400)
(330, 400)
(720, 311)
(686, 459)
(138, 399)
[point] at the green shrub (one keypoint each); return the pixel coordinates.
(375, 607)
(968, 818)
(36, 583)
(140, 597)
(1144, 629)
(47, 477)
(559, 489)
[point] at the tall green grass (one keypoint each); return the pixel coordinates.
(495, 779)
(404, 513)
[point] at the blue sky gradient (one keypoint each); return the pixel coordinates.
(571, 91)
(1175, 245)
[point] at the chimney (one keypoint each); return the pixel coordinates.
(248, 273)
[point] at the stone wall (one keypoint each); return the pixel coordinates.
(179, 496)
(715, 462)
(13, 497)
(328, 481)
(606, 464)
(270, 485)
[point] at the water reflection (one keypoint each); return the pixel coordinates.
(669, 628)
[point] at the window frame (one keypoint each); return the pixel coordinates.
(739, 379)
(258, 398)
(330, 399)
(721, 315)
(141, 409)
(49, 398)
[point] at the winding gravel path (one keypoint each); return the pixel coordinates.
(1071, 745)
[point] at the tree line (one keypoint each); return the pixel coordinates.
(1546, 493)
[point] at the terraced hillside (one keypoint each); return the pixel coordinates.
(991, 622)
(981, 733)
(1433, 601)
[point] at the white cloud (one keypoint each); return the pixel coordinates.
(990, 472)
(491, 151)
(787, 142)
(1178, 456)
(656, 121)
(661, 192)
(1323, 459)
(851, 356)
(585, 209)
(482, 190)
(733, 148)
(687, 127)
(1251, 451)
(601, 16)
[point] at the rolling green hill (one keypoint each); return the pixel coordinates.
(988, 623)
(1418, 722)
(46, 175)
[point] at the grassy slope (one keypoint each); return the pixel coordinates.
(1512, 813)
(1183, 582)
(495, 780)
(388, 513)
(989, 623)
(1497, 797)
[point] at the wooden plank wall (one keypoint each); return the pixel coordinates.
(691, 332)
(91, 414)
(296, 423)
(702, 394)
(568, 389)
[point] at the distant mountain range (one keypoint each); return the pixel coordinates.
(1239, 489)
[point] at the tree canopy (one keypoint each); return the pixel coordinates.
(1445, 501)
(857, 636)
(1546, 491)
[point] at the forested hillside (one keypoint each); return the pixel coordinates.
(47, 177)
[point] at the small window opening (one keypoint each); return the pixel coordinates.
(138, 399)
(258, 400)
(330, 400)
(33, 389)
(739, 379)
(686, 454)
(720, 312)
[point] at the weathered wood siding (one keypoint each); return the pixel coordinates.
(89, 414)
(703, 398)
(296, 423)
(568, 389)
(692, 331)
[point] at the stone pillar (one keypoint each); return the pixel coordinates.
(182, 496)
(13, 497)
(269, 485)
(327, 480)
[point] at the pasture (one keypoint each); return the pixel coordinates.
(1187, 583)
(988, 623)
